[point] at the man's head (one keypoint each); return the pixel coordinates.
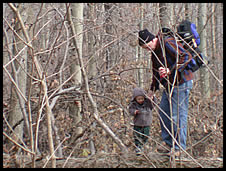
(147, 40)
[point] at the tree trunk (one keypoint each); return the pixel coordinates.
(109, 32)
(77, 28)
(164, 18)
(92, 64)
(91, 41)
(204, 74)
(140, 72)
(186, 11)
(18, 71)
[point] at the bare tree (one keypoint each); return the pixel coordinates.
(43, 84)
(163, 17)
(19, 69)
(204, 74)
(77, 31)
(139, 50)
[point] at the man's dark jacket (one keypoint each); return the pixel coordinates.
(174, 54)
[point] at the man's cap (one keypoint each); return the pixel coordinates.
(145, 36)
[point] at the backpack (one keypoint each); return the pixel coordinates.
(186, 32)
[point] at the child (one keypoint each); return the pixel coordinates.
(140, 107)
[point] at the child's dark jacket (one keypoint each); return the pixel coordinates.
(144, 118)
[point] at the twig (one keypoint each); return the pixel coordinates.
(12, 140)
(65, 138)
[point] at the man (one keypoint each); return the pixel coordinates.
(169, 62)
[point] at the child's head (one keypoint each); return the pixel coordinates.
(140, 99)
(139, 95)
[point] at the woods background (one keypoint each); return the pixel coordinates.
(68, 75)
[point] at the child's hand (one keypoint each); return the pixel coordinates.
(150, 94)
(137, 112)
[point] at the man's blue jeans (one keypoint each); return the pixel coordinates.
(179, 108)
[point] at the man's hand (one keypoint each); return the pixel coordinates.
(163, 72)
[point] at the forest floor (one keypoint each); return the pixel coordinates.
(115, 160)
